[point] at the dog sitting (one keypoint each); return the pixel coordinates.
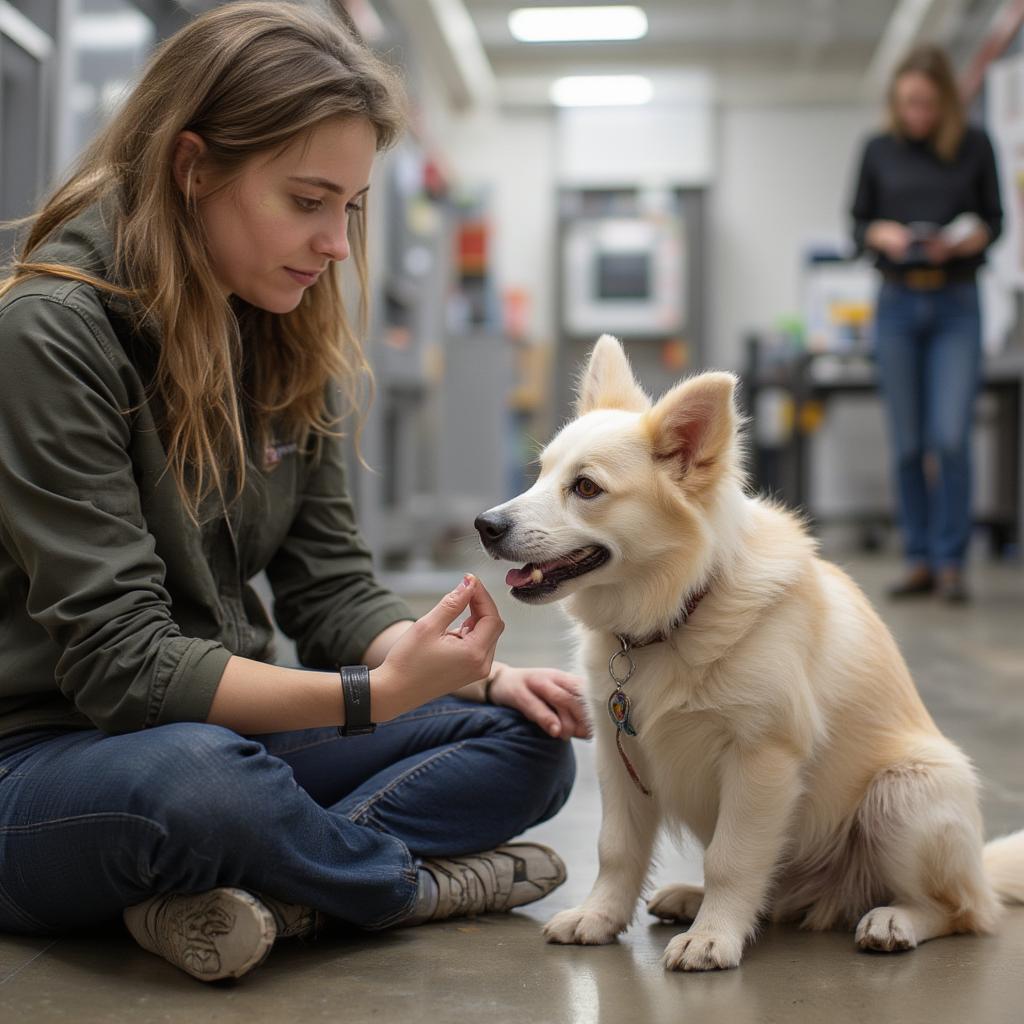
(742, 689)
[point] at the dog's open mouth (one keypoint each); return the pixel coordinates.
(539, 579)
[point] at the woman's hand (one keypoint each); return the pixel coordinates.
(889, 237)
(973, 243)
(552, 699)
(429, 660)
(938, 250)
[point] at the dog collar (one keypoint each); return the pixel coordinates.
(618, 703)
(629, 642)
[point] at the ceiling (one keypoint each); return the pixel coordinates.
(777, 33)
(776, 50)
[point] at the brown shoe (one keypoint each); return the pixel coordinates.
(918, 582)
(951, 587)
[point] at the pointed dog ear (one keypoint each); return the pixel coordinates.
(694, 424)
(608, 381)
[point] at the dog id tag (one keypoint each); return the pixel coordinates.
(618, 702)
(618, 709)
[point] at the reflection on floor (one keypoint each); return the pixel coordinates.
(969, 664)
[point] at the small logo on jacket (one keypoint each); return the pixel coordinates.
(276, 451)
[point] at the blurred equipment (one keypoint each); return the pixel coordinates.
(438, 432)
(397, 503)
(838, 302)
(624, 275)
(820, 442)
(64, 66)
(26, 59)
(626, 269)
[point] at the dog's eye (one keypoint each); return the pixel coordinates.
(586, 488)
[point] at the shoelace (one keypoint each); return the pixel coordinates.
(471, 888)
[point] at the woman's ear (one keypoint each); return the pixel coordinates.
(186, 163)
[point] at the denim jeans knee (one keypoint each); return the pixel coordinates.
(562, 780)
(548, 765)
(217, 796)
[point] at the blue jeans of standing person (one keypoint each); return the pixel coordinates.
(928, 349)
(92, 823)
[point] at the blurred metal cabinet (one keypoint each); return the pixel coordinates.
(27, 62)
(476, 424)
(409, 243)
(64, 66)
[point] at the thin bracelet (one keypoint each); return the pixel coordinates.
(488, 683)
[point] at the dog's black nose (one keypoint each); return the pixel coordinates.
(491, 527)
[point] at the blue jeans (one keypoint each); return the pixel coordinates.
(928, 348)
(92, 823)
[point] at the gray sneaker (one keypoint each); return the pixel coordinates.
(222, 933)
(293, 920)
(482, 883)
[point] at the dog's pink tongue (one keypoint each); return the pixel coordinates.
(519, 577)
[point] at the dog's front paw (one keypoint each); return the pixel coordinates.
(582, 927)
(886, 930)
(676, 902)
(703, 951)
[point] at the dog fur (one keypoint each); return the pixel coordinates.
(779, 725)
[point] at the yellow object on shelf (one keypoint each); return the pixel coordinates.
(812, 415)
(855, 314)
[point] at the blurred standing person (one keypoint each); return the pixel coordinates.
(927, 205)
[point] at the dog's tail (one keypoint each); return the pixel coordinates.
(1004, 864)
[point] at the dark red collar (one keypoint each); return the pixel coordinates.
(629, 643)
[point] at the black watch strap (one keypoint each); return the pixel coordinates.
(355, 689)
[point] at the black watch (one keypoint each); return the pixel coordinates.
(355, 689)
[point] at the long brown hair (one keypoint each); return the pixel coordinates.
(249, 78)
(933, 62)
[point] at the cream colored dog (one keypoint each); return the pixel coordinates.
(778, 723)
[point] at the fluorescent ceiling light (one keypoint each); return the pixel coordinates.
(601, 91)
(575, 24)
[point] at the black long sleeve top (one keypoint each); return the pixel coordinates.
(907, 181)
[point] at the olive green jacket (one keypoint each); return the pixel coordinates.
(116, 610)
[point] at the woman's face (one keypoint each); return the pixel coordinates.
(278, 225)
(917, 104)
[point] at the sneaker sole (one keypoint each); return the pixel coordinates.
(216, 936)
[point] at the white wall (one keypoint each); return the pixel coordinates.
(785, 176)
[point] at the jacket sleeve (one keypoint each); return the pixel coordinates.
(990, 206)
(325, 595)
(71, 518)
(864, 208)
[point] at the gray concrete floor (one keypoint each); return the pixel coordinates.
(969, 664)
